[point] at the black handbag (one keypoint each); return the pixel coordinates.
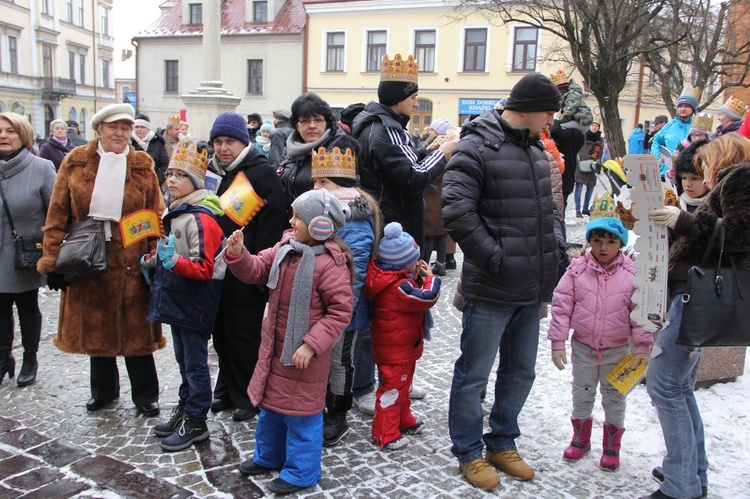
(82, 252)
(28, 249)
(715, 310)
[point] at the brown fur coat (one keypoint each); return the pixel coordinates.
(103, 315)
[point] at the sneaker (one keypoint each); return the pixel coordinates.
(480, 474)
(190, 431)
(510, 462)
(168, 427)
(334, 428)
(578, 214)
(397, 444)
(417, 392)
(415, 429)
(438, 269)
(366, 403)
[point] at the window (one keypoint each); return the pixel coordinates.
(105, 21)
(524, 49)
(47, 60)
(424, 50)
(652, 79)
(475, 49)
(335, 51)
(260, 12)
(45, 7)
(105, 73)
(171, 78)
(72, 65)
(82, 68)
(375, 49)
(80, 13)
(69, 10)
(255, 77)
(196, 13)
(13, 53)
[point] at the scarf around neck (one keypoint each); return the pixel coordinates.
(298, 321)
(686, 201)
(224, 168)
(15, 163)
(296, 148)
(109, 188)
(145, 140)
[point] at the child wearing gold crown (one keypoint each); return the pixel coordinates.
(594, 299)
(336, 171)
(187, 287)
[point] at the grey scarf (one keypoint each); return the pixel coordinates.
(298, 321)
(296, 148)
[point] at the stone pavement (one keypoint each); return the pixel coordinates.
(51, 447)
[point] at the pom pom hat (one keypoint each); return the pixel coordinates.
(397, 249)
(322, 212)
(230, 125)
(604, 216)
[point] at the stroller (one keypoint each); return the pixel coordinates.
(613, 172)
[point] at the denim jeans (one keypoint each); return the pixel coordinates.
(364, 365)
(487, 329)
(587, 197)
(191, 352)
(670, 382)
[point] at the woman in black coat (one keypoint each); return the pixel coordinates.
(58, 144)
(144, 139)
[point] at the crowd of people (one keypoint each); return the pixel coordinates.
(301, 318)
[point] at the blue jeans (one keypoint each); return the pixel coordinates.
(191, 352)
(670, 382)
(364, 365)
(587, 197)
(487, 328)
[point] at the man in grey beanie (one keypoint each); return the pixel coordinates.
(497, 205)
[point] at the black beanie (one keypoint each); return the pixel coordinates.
(534, 92)
(393, 92)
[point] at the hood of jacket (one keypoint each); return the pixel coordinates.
(375, 111)
(377, 279)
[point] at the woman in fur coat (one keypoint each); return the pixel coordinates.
(105, 316)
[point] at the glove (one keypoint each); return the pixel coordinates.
(559, 359)
(146, 271)
(665, 216)
(641, 358)
(56, 282)
(166, 252)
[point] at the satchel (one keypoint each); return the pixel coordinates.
(586, 165)
(715, 309)
(28, 249)
(82, 252)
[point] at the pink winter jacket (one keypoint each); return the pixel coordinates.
(597, 306)
(286, 389)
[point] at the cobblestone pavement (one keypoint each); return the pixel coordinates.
(51, 447)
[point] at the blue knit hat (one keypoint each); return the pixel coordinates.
(230, 125)
(604, 216)
(397, 250)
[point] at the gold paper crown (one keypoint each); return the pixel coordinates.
(703, 121)
(604, 206)
(736, 106)
(399, 70)
(185, 157)
(689, 91)
(335, 164)
(559, 78)
(173, 120)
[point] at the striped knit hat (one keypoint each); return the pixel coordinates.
(397, 250)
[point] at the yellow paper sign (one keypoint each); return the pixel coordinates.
(240, 202)
(624, 377)
(140, 224)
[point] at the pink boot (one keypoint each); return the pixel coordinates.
(610, 460)
(581, 442)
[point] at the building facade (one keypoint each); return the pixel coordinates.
(56, 60)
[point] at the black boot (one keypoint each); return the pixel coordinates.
(31, 331)
(7, 362)
(450, 261)
(166, 428)
(335, 425)
(189, 431)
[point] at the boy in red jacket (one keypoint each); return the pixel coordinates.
(403, 290)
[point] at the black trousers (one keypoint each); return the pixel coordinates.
(236, 339)
(105, 378)
(569, 141)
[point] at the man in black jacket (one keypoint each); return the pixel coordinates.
(497, 205)
(391, 169)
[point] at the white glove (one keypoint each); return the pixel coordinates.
(665, 216)
(559, 359)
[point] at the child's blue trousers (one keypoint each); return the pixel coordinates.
(191, 352)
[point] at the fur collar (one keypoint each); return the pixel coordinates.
(360, 209)
(87, 158)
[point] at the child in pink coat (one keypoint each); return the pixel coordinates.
(594, 299)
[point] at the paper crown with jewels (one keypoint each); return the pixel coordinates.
(605, 216)
(736, 106)
(334, 164)
(702, 121)
(559, 78)
(185, 157)
(406, 71)
(173, 121)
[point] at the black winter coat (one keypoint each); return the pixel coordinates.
(392, 170)
(497, 205)
(55, 152)
(158, 151)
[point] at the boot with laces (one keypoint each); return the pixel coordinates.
(480, 474)
(166, 428)
(190, 431)
(510, 462)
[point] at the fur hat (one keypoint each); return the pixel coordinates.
(322, 212)
(113, 112)
(441, 126)
(684, 162)
(604, 216)
(397, 249)
(534, 92)
(186, 158)
(230, 125)
(398, 79)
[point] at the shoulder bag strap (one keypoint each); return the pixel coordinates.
(718, 234)
(7, 211)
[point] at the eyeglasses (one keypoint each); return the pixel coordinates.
(176, 175)
(315, 121)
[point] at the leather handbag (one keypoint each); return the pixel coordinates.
(82, 252)
(716, 303)
(28, 249)
(586, 165)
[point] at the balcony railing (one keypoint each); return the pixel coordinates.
(58, 88)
